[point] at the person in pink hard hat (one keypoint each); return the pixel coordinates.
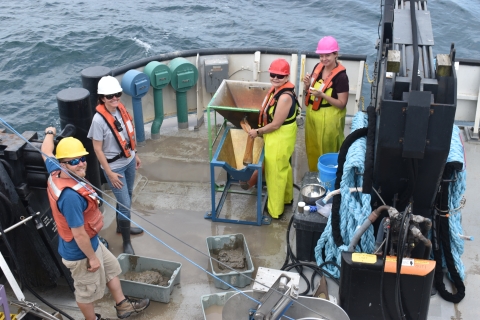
(326, 96)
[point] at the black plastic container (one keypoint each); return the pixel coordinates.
(309, 227)
(360, 287)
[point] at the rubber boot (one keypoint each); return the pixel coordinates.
(125, 230)
(133, 230)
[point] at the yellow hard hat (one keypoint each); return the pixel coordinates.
(70, 148)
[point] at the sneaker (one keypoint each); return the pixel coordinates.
(99, 317)
(130, 305)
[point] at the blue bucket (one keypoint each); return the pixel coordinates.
(327, 169)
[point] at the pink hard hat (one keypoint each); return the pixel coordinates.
(327, 44)
(280, 66)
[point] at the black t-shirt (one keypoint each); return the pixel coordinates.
(339, 84)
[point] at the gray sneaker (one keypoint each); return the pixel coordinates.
(130, 305)
(99, 317)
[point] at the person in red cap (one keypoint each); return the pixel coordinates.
(277, 124)
(326, 96)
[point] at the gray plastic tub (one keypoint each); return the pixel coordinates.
(142, 290)
(216, 299)
(235, 278)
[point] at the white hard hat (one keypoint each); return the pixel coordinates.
(108, 85)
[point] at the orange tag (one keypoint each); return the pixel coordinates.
(411, 266)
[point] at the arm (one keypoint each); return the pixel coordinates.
(83, 241)
(112, 176)
(138, 162)
(339, 103)
(283, 108)
(48, 145)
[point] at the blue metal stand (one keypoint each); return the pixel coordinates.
(234, 176)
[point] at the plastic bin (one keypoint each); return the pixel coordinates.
(215, 300)
(142, 290)
(238, 279)
(309, 227)
(327, 169)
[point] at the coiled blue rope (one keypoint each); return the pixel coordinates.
(354, 208)
(456, 190)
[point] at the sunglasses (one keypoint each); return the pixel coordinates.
(75, 162)
(110, 96)
(278, 76)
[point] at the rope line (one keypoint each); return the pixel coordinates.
(456, 190)
(370, 80)
(354, 208)
(88, 186)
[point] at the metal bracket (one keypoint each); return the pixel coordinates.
(277, 300)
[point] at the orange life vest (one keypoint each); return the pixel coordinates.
(271, 100)
(326, 84)
(127, 120)
(93, 218)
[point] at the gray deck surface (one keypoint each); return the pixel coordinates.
(172, 195)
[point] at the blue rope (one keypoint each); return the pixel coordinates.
(354, 208)
(456, 190)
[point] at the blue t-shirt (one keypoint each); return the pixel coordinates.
(71, 205)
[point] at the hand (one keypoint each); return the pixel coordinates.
(93, 264)
(138, 162)
(253, 133)
(316, 93)
(53, 129)
(306, 81)
(115, 179)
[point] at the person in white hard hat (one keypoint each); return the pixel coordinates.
(113, 138)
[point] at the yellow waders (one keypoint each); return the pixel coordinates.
(323, 132)
(279, 146)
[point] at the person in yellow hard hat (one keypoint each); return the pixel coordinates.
(77, 216)
(278, 126)
(326, 96)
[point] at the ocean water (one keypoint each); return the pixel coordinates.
(45, 44)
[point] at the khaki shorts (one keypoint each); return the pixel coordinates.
(90, 286)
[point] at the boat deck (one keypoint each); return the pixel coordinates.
(171, 197)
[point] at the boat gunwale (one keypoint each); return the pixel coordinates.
(194, 52)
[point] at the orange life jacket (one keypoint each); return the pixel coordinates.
(326, 84)
(127, 120)
(271, 100)
(93, 218)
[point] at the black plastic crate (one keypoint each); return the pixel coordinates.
(309, 227)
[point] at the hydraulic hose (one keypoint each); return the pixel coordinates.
(291, 256)
(384, 258)
(342, 156)
(428, 244)
(442, 239)
(402, 236)
(365, 225)
(9, 208)
(299, 265)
